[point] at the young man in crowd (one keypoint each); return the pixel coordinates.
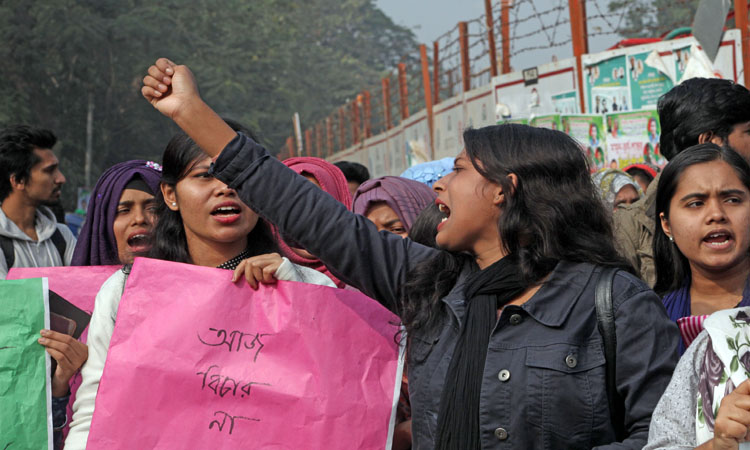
(696, 111)
(30, 180)
(355, 174)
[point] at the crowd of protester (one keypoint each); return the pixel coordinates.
(494, 261)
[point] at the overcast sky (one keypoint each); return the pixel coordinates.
(429, 19)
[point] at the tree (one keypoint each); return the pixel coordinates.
(256, 62)
(653, 18)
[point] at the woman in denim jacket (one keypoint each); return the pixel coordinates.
(505, 351)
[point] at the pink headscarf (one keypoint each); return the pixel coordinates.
(333, 182)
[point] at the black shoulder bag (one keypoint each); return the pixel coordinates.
(605, 317)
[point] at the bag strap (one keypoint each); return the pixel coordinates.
(6, 245)
(605, 317)
(59, 240)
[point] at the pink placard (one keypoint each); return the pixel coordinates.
(198, 362)
(79, 286)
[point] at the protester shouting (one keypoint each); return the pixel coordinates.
(702, 246)
(504, 346)
(702, 251)
(199, 220)
(120, 216)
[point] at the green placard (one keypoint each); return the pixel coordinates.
(647, 84)
(25, 415)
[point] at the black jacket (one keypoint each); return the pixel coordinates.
(544, 378)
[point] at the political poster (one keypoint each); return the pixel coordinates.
(647, 83)
(196, 361)
(551, 121)
(565, 102)
(633, 137)
(607, 86)
(26, 414)
(589, 132)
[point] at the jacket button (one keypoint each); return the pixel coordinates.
(571, 361)
(516, 319)
(501, 434)
(504, 375)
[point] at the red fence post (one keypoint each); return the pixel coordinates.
(505, 33)
(329, 135)
(403, 91)
(463, 38)
(741, 21)
(435, 73)
(427, 93)
(491, 37)
(368, 114)
(290, 146)
(319, 139)
(308, 142)
(386, 84)
(355, 119)
(580, 42)
(342, 129)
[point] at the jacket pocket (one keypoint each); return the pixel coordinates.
(565, 383)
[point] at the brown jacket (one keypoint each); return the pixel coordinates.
(634, 233)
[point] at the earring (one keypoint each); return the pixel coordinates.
(174, 203)
(671, 239)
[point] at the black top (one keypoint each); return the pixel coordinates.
(544, 378)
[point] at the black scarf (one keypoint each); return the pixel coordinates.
(486, 291)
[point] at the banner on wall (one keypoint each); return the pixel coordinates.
(590, 133)
(551, 121)
(647, 83)
(201, 362)
(565, 102)
(633, 137)
(26, 415)
(607, 86)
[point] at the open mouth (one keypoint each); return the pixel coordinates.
(137, 241)
(225, 211)
(718, 239)
(445, 210)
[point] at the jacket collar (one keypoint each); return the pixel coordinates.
(548, 306)
(553, 302)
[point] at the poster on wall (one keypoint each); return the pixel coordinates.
(607, 86)
(519, 120)
(633, 137)
(565, 102)
(647, 83)
(551, 121)
(589, 132)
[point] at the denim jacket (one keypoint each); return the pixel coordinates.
(544, 378)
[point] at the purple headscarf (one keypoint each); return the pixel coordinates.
(407, 198)
(96, 244)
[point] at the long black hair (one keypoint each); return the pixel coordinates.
(168, 241)
(553, 213)
(672, 267)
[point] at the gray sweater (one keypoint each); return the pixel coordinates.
(673, 421)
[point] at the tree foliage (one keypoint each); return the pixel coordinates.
(653, 18)
(256, 61)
